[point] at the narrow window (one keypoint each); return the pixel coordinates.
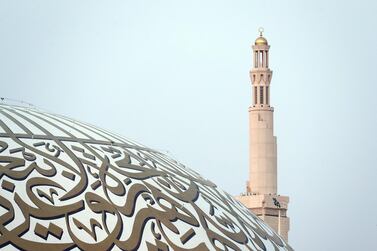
(267, 59)
(260, 59)
(256, 59)
(255, 95)
(267, 100)
(261, 95)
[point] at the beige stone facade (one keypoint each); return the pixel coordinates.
(265, 207)
(261, 195)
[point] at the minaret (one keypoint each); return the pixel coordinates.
(261, 189)
(262, 142)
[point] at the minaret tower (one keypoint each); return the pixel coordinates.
(261, 195)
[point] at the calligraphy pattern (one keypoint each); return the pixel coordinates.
(66, 185)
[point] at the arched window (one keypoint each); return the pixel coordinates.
(261, 95)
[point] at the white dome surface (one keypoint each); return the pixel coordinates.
(66, 185)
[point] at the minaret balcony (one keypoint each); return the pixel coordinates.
(261, 108)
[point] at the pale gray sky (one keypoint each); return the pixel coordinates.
(173, 75)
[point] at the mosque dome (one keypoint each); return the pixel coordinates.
(67, 185)
(261, 41)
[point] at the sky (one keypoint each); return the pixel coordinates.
(173, 75)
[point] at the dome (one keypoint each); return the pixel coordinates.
(261, 41)
(67, 185)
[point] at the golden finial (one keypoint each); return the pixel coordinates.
(261, 30)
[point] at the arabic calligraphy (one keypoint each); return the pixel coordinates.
(67, 185)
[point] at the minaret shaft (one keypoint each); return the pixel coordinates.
(263, 152)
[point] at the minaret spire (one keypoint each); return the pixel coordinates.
(261, 190)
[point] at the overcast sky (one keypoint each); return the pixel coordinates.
(173, 75)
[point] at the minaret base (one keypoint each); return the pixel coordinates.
(272, 209)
